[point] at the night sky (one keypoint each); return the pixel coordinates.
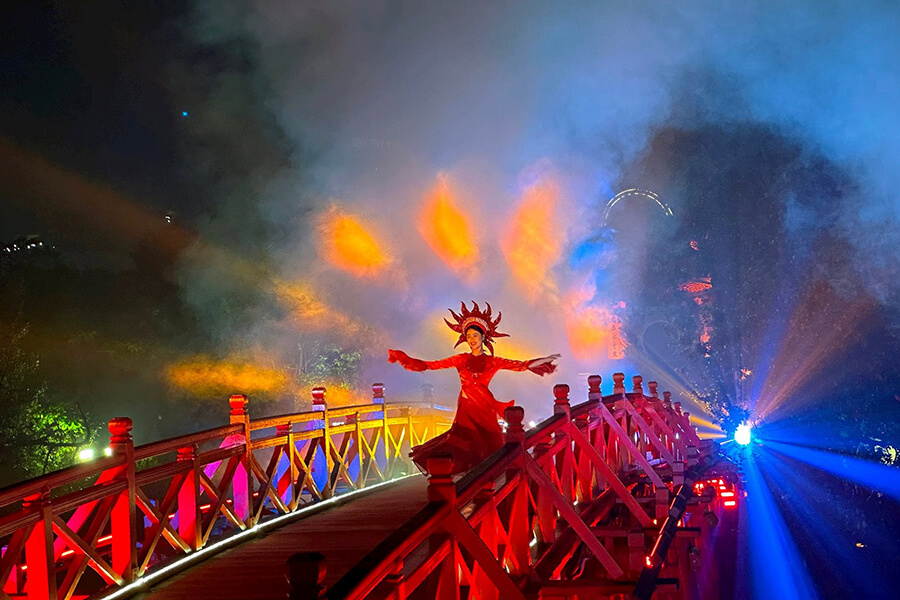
(84, 86)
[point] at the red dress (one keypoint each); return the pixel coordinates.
(475, 432)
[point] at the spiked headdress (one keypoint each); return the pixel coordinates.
(480, 319)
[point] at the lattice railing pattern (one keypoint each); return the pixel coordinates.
(576, 505)
(94, 527)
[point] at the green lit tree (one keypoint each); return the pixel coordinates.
(334, 364)
(37, 433)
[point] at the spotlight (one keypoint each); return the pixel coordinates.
(742, 434)
(86, 454)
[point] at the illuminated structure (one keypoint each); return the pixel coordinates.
(648, 493)
(634, 192)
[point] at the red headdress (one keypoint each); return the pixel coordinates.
(480, 319)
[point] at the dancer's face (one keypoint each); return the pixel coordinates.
(475, 340)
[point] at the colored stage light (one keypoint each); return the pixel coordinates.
(742, 434)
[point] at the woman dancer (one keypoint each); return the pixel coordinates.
(475, 432)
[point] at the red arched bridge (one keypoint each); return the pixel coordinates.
(612, 497)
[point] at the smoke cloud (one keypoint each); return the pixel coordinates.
(535, 115)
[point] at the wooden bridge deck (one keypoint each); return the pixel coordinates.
(344, 534)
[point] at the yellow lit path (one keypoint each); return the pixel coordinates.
(344, 533)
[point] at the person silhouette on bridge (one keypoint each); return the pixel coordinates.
(475, 432)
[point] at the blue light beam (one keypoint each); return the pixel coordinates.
(875, 476)
(776, 567)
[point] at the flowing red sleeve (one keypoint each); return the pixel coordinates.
(541, 369)
(525, 365)
(414, 364)
(510, 364)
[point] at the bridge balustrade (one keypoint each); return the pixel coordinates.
(581, 504)
(93, 528)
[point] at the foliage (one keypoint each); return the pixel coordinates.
(333, 364)
(37, 433)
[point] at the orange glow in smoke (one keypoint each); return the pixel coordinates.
(310, 313)
(446, 228)
(532, 244)
(202, 376)
(348, 245)
(590, 332)
(594, 332)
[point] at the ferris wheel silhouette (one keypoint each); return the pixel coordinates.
(634, 192)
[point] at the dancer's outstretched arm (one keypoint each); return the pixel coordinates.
(414, 364)
(542, 366)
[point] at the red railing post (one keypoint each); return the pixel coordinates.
(122, 516)
(515, 430)
(378, 393)
(545, 514)
(654, 394)
(584, 476)
(320, 403)
(561, 399)
(618, 383)
(565, 464)
(440, 479)
(519, 526)
(242, 483)
(41, 583)
(378, 398)
(441, 488)
(667, 416)
(189, 519)
(596, 436)
(637, 388)
(637, 385)
(594, 392)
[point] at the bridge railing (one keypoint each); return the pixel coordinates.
(613, 460)
(93, 528)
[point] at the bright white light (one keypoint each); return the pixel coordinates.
(86, 454)
(742, 434)
(532, 424)
(107, 451)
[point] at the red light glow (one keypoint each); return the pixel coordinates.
(696, 287)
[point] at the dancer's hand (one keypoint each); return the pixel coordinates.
(406, 361)
(543, 366)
